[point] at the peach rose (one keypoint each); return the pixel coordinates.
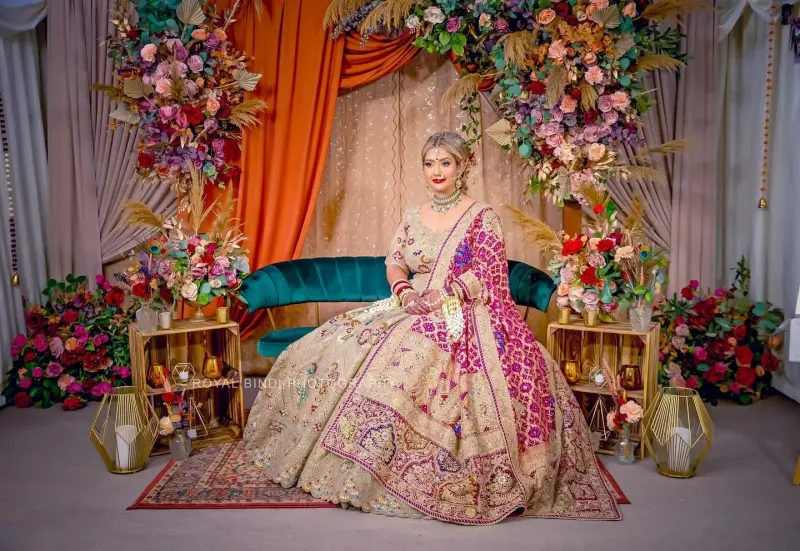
(599, 4)
(546, 16)
(594, 75)
(219, 33)
(149, 52)
(568, 104)
(563, 290)
(596, 151)
(199, 34)
(629, 10)
(71, 344)
(212, 105)
(621, 100)
(589, 58)
(557, 50)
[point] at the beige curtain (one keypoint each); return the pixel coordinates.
(682, 211)
(91, 167)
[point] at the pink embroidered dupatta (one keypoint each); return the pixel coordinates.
(473, 431)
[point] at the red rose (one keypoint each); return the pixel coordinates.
(140, 290)
(605, 245)
(588, 276)
(193, 114)
(72, 403)
(556, 164)
(22, 400)
(70, 316)
(712, 376)
(573, 246)
(687, 293)
(590, 116)
(29, 357)
(165, 294)
(115, 297)
(133, 34)
(223, 112)
(208, 257)
(575, 93)
(740, 332)
(706, 311)
(34, 321)
(230, 148)
(89, 384)
(571, 20)
(616, 236)
(769, 361)
(562, 9)
(744, 356)
(746, 376)
(537, 87)
(147, 160)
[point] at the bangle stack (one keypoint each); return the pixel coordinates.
(400, 289)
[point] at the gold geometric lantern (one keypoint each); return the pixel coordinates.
(677, 431)
(124, 430)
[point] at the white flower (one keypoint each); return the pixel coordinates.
(215, 283)
(412, 22)
(576, 293)
(597, 260)
(596, 151)
(632, 411)
(623, 253)
(433, 15)
(189, 290)
(199, 250)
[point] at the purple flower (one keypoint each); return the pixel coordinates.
(211, 126)
(181, 53)
(217, 270)
(56, 347)
(195, 63)
(219, 148)
(15, 351)
(37, 372)
(54, 369)
(40, 343)
(75, 388)
(168, 112)
(199, 270)
(501, 25)
(230, 276)
(453, 24)
(213, 42)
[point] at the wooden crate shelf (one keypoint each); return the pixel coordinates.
(619, 344)
(191, 341)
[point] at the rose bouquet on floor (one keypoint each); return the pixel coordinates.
(75, 347)
(182, 83)
(723, 344)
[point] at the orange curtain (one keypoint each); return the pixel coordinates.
(283, 158)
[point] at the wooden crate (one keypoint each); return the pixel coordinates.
(619, 345)
(190, 341)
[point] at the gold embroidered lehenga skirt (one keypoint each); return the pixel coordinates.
(379, 410)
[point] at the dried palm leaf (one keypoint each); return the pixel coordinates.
(246, 80)
(245, 114)
(556, 81)
(125, 115)
(517, 46)
(339, 9)
(656, 61)
(135, 88)
(190, 12)
(622, 45)
(462, 88)
(537, 233)
(502, 132)
(138, 213)
(670, 10)
(588, 96)
(330, 214)
(607, 17)
(177, 89)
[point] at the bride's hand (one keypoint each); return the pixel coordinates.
(432, 299)
(413, 304)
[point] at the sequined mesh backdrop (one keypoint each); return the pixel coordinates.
(374, 172)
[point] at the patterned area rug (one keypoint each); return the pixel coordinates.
(223, 477)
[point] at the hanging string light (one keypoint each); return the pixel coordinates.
(12, 227)
(762, 202)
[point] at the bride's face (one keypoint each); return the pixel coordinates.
(441, 170)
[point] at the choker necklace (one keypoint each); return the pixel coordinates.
(444, 204)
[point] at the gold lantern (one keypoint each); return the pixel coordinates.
(677, 431)
(124, 430)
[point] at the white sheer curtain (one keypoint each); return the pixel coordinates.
(21, 94)
(768, 238)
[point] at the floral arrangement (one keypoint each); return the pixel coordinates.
(194, 265)
(181, 82)
(567, 75)
(722, 344)
(143, 280)
(610, 264)
(626, 412)
(75, 348)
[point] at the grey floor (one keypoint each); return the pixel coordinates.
(56, 494)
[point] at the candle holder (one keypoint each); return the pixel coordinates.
(572, 371)
(563, 315)
(183, 373)
(156, 375)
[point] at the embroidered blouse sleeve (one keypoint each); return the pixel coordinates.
(398, 244)
(489, 262)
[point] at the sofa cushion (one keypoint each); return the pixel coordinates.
(272, 344)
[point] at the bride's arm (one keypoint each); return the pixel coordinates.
(397, 272)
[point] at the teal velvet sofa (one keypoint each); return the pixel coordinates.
(353, 279)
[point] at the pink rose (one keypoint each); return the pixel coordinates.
(223, 261)
(719, 293)
(231, 278)
(162, 70)
(453, 24)
(562, 302)
(40, 343)
(182, 121)
(169, 112)
(64, 381)
(682, 330)
(736, 388)
(217, 269)
(173, 43)
(694, 284)
(720, 367)
(199, 270)
(501, 25)
(54, 369)
(591, 134)
(605, 104)
(611, 117)
(180, 68)
(15, 351)
(106, 286)
(195, 63)
(20, 341)
(556, 115)
(567, 274)
(124, 372)
(621, 100)
(148, 53)
(554, 140)
(677, 342)
(194, 240)
(75, 387)
(81, 334)
(691, 382)
(190, 87)
(609, 308)
(677, 381)
(211, 126)
(163, 86)
(37, 372)
(700, 353)
(25, 383)
(98, 340)
(537, 115)
(181, 53)
(597, 260)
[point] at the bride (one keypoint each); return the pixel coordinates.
(437, 402)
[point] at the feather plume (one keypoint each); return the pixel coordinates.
(462, 88)
(339, 9)
(588, 96)
(245, 114)
(113, 92)
(138, 213)
(593, 195)
(666, 148)
(194, 199)
(640, 173)
(656, 61)
(537, 232)
(391, 13)
(224, 214)
(556, 81)
(517, 47)
(330, 214)
(670, 10)
(633, 220)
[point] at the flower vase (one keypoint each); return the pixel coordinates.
(180, 445)
(591, 317)
(198, 311)
(624, 450)
(640, 313)
(147, 318)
